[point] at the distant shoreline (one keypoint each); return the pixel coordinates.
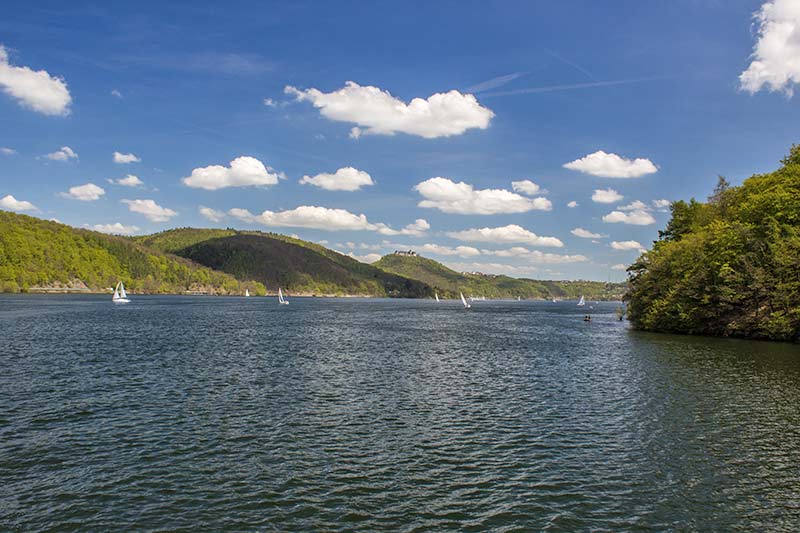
(62, 291)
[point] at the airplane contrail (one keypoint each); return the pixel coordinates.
(569, 87)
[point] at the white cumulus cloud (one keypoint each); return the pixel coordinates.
(244, 171)
(87, 192)
(607, 165)
(324, 218)
(526, 187)
(620, 266)
(368, 258)
(7, 151)
(462, 198)
(344, 179)
(115, 229)
(636, 205)
(586, 234)
(627, 245)
(34, 89)
(10, 203)
(377, 112)
(636, 217)
(572, 204)
(662, 204)
(150, 209)
(535, 256)
(511, 233)
(65, 153)
(776, 55)
(606, 196)
(461, 251)
(125, 158)
(213, 215)
(128, 181)
(415, 229)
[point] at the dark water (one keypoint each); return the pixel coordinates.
(191, 414)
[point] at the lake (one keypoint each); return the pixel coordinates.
(200, 413)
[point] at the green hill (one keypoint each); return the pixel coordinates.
(727, 267)
(297, 266)
(449, 283)
(40, 254)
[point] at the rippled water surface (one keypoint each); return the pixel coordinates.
(192, 413)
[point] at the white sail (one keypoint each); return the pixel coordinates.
(281, 299)
(581, 302)
(247, 292)
(120, 297)
(437, 296)
(464, 301)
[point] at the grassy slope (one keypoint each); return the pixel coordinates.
(449, 282)
(280, 261)
(40, 253)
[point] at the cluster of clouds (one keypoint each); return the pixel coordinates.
(323, 218)
(462, 198)
(511, 233)
(518, 252)
(775, 65)
(115, 229)
(636, 213)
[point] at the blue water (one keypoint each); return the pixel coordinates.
(201, 413)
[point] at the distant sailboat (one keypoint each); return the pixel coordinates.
(120, 296)
(436, 294)
(281, 299)
(464, 301)
(519, 299)
(581, 302)
(247, 293)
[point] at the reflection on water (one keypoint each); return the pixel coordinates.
(226, 413)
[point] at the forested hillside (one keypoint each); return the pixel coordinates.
(729, 266)
(449, 283)
(37, 253)
(279, 261)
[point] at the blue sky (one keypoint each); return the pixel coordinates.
(652, 89)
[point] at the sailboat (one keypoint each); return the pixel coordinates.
(247, 293)
(581, 302)
(464, 301)
(120, 296)
(281, 299)
(519, 299)
(436, 294)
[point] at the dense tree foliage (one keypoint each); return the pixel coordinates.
(37, 253)
(727, 267)
(448, 283)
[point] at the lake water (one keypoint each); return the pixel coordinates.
(198, 413)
